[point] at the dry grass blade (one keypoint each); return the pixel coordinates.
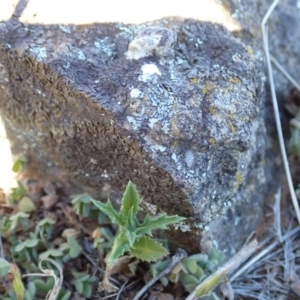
(277, 216)
(264, 252)
(213, 280)
(52, 294)
(276, 111)
(285, 73)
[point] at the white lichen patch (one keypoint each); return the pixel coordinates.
(77, 52)
(151, 208)
(93, 161)
(174, 157)
(183, 226)
(67, 29)
(189, 158)
(148, 72)
(153, 145)
(132, 121)
(150, 40)
(105, 45)
(40, 52)
(135, 93)
(152, 122)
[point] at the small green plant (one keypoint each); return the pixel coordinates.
(70, 249)
(135, 237)
(44, 286)
(17, 193)
(45, 227)
(191, 270)
(82, 204)
(27, 250)
(83, 283)
(12, 223)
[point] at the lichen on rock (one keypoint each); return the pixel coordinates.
(183, 125)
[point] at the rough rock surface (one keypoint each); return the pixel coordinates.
(185, 125)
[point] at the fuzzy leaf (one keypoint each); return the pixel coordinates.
(84, 198)
(199, 273)
(30, 243)
(159, 222)
(130, 200)
(190, 265)
(110, 211)
(19, 165)
(4, 266)
(188, 279)
(26, 205)
(75, 249)
(147, 249)
(120, 246)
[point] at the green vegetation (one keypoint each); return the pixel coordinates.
(45, 254)
(135, 237)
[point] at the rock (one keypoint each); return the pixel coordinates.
(182, 119)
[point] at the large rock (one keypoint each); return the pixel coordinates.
(182, 118)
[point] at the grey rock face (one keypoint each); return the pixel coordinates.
(185, 124)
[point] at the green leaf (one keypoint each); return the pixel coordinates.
(79, 286)
(188, 279)
(199, 273)
(44, 286)
(84, 198)
(51, 253)
(19, 165)
(110, 211)
(130, 200)
(18, 192)
(190, 265)
(87, 290)
(31, 243)
(86, 210)
(16, 166)
(20, 247)
(5, 224)
(131, 221)
(4, 267)
(31, 290)
(45, 221)
(75, 248)
(120, 246)
(26, 205)
(19, 215)
(159, 222)
(66, 296)
(147, 249)
(130, 235)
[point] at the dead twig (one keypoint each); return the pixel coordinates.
(122, 289)
(176, 258)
